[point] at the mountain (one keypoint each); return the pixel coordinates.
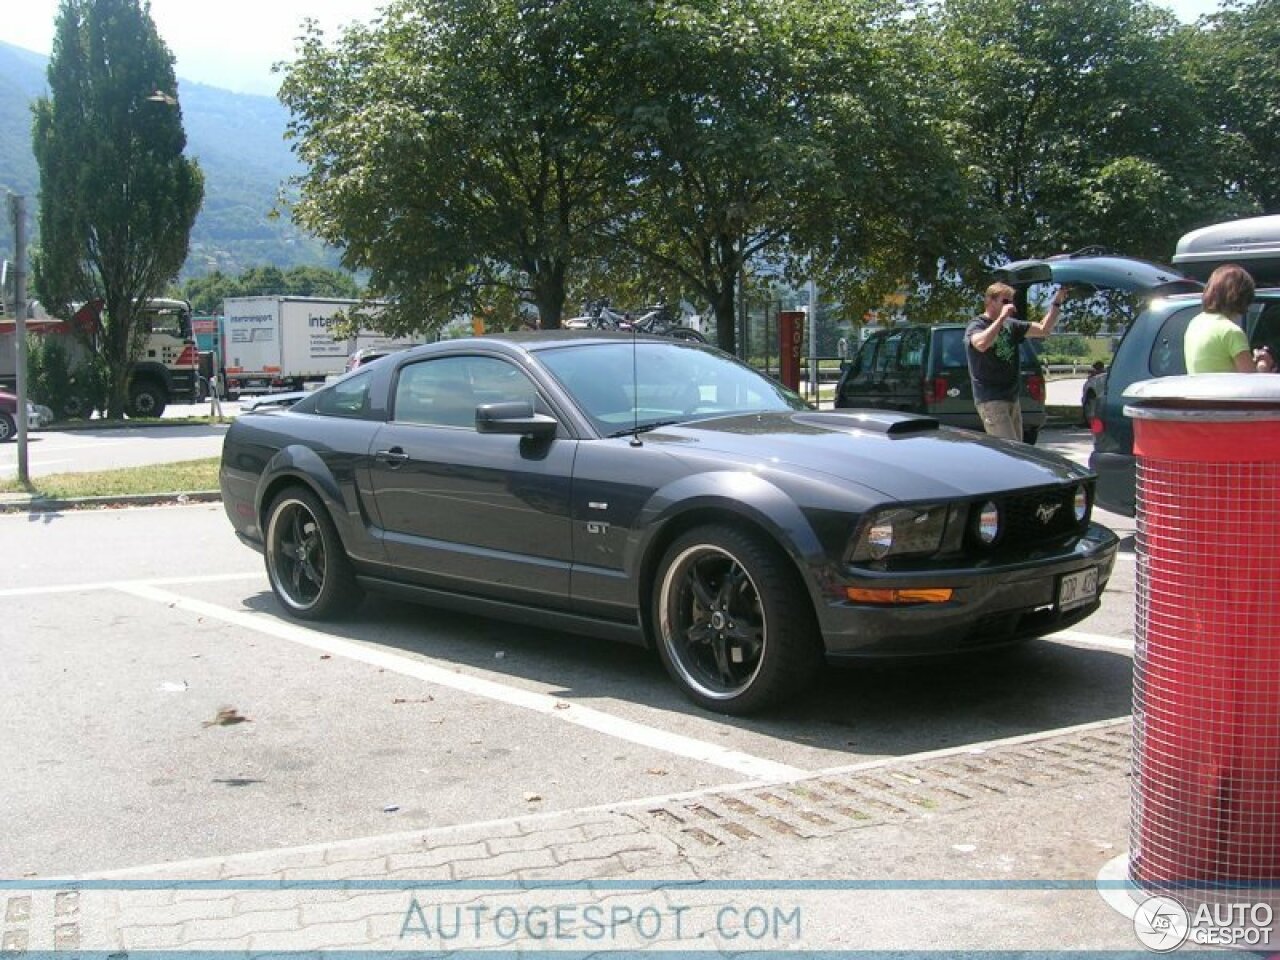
(238, 140)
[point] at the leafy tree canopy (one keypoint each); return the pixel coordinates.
(207, 293)
(1077, 122)
(1236, 64)
(458, 147)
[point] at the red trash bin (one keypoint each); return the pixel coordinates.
(1205, 822)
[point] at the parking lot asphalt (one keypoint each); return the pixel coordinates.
(379, 782)
(782, 838)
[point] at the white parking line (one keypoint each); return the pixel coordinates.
(117, 585)
(757, 768)
(1077, 638)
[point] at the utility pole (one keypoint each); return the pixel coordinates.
(18, 208)
(814, 381)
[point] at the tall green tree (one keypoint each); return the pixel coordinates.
(117, 196)
(1078, 124)
(455, 148)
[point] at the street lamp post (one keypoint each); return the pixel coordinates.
(18, 210)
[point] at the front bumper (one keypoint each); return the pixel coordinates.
(1116, 488)
(992, 606)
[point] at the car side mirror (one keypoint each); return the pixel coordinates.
(514, 417)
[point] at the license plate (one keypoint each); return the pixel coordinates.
(1077, 589)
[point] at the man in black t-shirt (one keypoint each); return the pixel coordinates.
(992, 343)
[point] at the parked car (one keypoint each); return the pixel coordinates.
(1152, 347)
(659, 491)
(924, 369)
(368, 355)
(1090, 394)
(273, 401)
(38, 416)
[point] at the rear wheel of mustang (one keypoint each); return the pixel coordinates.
(306, 562)
(734, 625)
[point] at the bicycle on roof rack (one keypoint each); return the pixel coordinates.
(656, 320)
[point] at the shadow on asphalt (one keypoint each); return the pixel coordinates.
(879, 708)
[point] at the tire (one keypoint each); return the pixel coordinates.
(307, 564)
(733, 623)
(1030, 435)
(8, 428)
(146, 400)
(75, 408)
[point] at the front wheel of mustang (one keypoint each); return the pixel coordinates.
(306, 563)
(734, 624)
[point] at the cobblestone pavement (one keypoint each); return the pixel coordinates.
(883, 855)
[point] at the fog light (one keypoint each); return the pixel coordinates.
(1081, 504)
(989, 523)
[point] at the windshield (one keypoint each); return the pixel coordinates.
(621, 385)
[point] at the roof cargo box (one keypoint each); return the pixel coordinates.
(1254, 244)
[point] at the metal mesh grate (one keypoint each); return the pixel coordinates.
(1206, 798)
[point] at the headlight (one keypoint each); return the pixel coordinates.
(1081, 504)
(900, 531)
(988, 526)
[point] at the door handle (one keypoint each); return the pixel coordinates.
(393, 457)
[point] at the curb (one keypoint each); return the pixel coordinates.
(81, 426)
(24, 503)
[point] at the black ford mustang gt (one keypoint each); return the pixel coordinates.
(659, 491)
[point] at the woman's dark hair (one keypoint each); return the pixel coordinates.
(1229, 291)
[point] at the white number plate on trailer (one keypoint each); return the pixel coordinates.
(1077, 589)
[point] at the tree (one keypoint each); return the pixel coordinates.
(459, 147)
(1237, 68)
(207, 293)
(118, 198)
(777, 132)
(1078, 124)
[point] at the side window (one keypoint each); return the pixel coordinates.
(1263, 322)
(445, 392)
(350, 398)
(1167, 358)
(865, 357)
(890, 350)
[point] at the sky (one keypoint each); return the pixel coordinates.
(233, 43)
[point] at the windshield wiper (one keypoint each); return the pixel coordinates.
(644, 428)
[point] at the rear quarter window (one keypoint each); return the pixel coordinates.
(1167, 358)
(950, 346)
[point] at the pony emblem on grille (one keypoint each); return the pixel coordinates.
(1045, 512)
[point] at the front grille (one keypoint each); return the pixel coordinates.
(1037, 517)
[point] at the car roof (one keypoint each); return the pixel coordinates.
(1102, 271)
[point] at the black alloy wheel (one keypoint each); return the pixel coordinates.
(306, 563)
(735, 628)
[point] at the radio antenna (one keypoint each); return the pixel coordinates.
(635, 392)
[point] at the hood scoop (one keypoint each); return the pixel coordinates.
(884, 422)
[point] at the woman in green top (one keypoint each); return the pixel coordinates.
(1215, 341)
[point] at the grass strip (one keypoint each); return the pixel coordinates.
(186, 475)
